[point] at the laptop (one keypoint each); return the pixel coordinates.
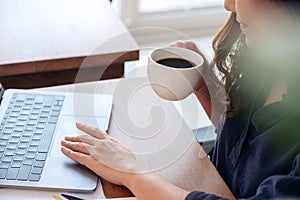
(32, 124)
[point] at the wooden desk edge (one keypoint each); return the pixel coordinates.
(103, 60)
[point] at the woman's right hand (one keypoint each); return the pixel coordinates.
(102, 154)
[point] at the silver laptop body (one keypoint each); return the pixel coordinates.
(59, 172)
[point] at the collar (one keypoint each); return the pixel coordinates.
(268, 116)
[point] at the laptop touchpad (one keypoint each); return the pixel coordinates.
(66, 127)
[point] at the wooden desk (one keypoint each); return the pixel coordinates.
(155, 131)
(45, 42)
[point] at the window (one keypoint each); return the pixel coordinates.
(158, 6)
(192, 17)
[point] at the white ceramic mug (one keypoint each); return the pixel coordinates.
(172, 83)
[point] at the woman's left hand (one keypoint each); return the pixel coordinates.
(102, 154)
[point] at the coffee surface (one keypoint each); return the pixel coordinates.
(176, 63)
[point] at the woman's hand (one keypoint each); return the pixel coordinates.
(117, 164)
(102, 154)
(187, 44)
(202, 91)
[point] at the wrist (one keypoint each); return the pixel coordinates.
(133, 180)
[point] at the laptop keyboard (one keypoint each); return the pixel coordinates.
(26, 132)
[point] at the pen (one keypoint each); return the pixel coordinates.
(69, 197)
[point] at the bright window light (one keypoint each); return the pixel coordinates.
(156, 6)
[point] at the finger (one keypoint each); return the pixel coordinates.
(77, 156)
(82, 138)
(76, 146)
(97, 133)
(179, 43)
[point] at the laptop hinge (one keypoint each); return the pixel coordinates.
(1, 92)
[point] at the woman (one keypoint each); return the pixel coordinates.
(258, 149)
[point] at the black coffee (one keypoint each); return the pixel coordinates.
(176, 63)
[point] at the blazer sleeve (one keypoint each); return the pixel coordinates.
(273, 187)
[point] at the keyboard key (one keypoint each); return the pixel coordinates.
(36, 137)
(14, 140)
(9, 125)
(33, 117)
(47, 138)
(12, 120)
(30, 97)
(28, 133)
(6, 158)
(35, 111)
(60, 103)
(35, 143)
(60, 98)
(12, 173)
(3, 142)
(36, 170)
(39, 99)
(16, 109)
(24, 172)
(56, 108)
(19, 157)
(19, 129)
(20, 123)
(17, 104)
(40, 125)
(23, 145)
(4, 165)
(14, 114)
(41, 156)
(32, 122)
(29, 128)
(46, 110)
(16, 134)
(43, 120)
(32, 149)
(28, 161)
(23, 118)
(44, 115)
(7, 130)
(25, 139)
(3, 173)
(2, 148)
(16, 164)
(48, 100)
(39, 131)
(20, 97)
(27, 107)
(53, 120)
(30, 154)
(25, 112)
(34, 177)
(38, 163)
(21, 151)
(4, 137)
(12, 146)
(9, 152)
(55, 113)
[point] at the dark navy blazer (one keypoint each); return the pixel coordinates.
(258, 154)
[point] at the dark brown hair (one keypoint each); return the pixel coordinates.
(229, 46)
(223, 46)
